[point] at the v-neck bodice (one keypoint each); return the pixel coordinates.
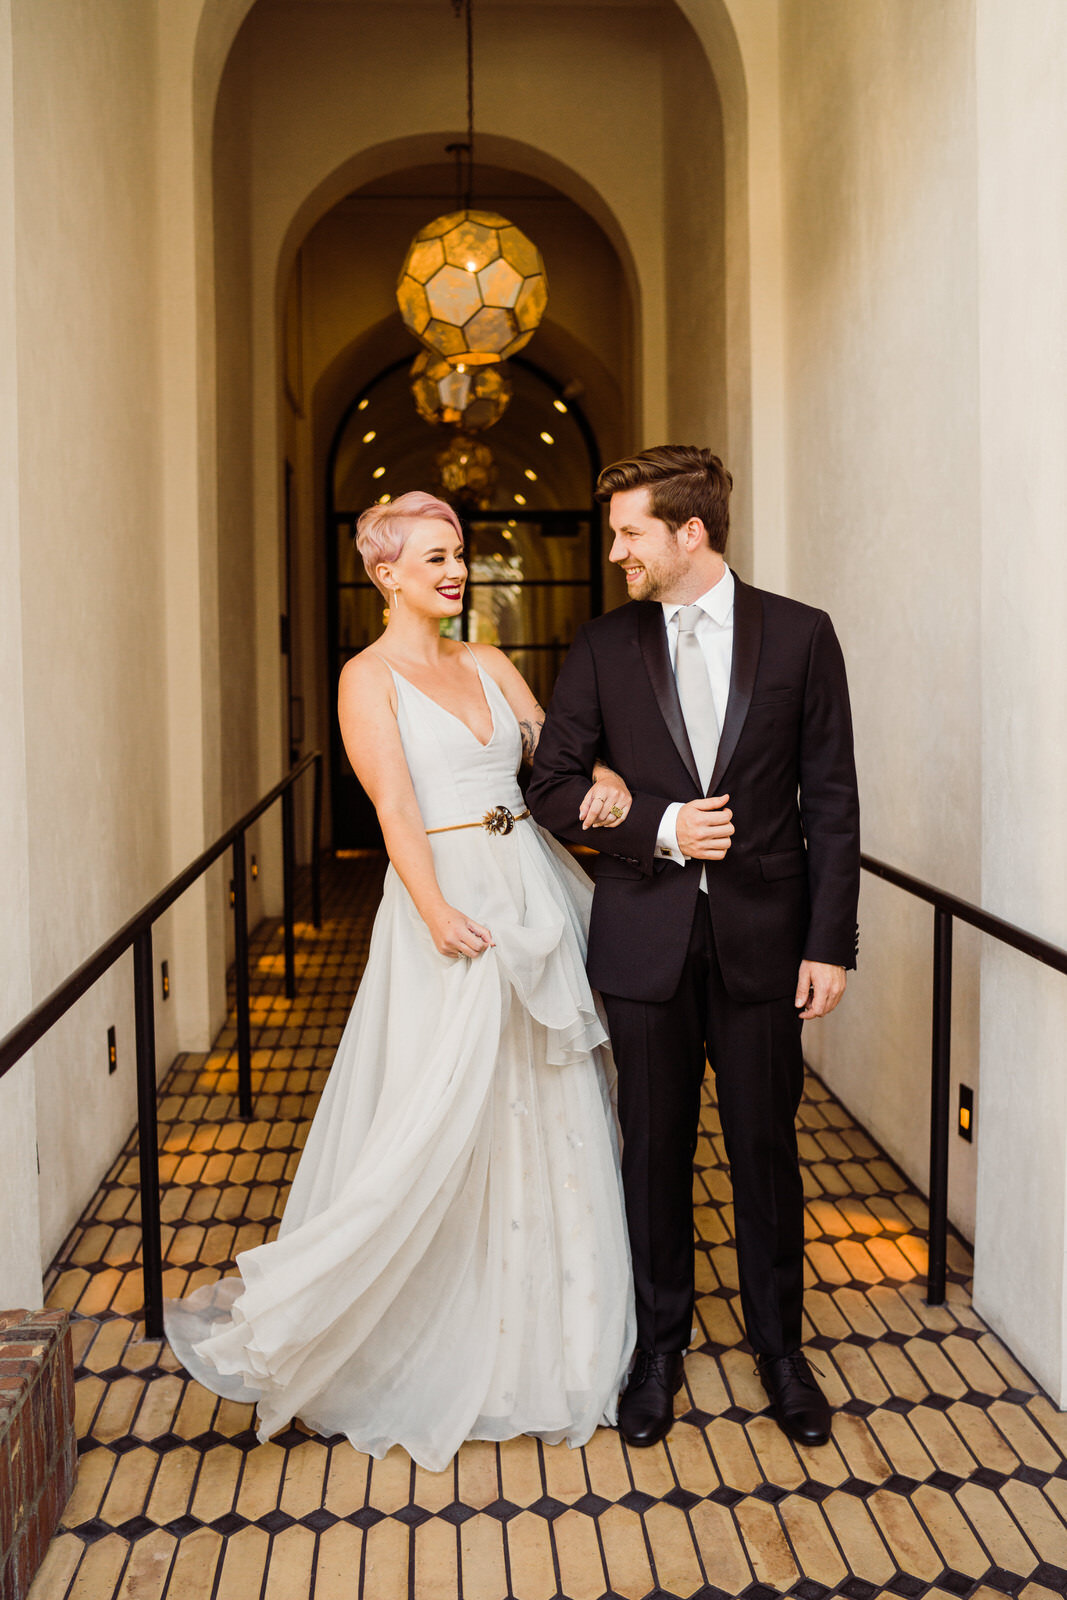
(456, 777)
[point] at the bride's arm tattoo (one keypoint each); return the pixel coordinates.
(531, 732)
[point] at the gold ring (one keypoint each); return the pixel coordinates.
(616, 811)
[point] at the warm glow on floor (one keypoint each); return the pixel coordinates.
(945, 1476)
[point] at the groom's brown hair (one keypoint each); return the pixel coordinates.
(683, 481)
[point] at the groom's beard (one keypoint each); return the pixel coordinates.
(655, 583)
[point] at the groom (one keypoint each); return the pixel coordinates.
(725, 906)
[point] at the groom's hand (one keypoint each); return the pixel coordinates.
(704, 828)
(819, 988)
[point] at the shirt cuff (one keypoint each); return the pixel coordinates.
(667, 837)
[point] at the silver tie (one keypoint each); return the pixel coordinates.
(694, 691)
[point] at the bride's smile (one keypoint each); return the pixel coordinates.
(428, 577)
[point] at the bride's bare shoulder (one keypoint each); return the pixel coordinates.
(366, 679)
(492, 660)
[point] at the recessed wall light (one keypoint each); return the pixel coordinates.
(379, 472)
(364, 403)
(531, 474)
(520, 499)
(547, 437)
(560, 405)
(371, 434)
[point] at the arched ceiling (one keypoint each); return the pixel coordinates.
(541, 456)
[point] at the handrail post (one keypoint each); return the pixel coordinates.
(940, 1089)
(288, 872)
(241, 982)
(316, 846)
(148, 1134)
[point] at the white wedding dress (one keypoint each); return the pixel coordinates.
(452, 1263)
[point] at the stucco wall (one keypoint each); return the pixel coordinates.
(694, 245)
(1022, 1132)
(92, 625)
(926, 367)
(20, 1274)
(882, 491)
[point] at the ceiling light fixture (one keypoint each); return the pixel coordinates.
(472, 287)
(471, 399)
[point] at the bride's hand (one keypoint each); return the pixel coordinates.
(457, 935)
(607, 802)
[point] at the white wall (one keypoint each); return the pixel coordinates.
(878, 140)
(694, 186)
(20, 1272)
(92, 604)
(1022, 1128)
(926, 223)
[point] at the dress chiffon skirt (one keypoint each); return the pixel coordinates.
(452, 1263)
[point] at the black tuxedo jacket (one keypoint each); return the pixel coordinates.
(788, 887)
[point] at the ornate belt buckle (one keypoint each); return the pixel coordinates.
(498, 820)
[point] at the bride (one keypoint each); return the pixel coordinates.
(452, 1263)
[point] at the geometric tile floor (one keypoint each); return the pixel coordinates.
(946, 1476)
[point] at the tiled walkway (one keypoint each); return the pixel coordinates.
(946, 1475)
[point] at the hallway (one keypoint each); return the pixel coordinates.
(946, 1476)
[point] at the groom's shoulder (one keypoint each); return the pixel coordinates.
(622, 623)
(781, 610)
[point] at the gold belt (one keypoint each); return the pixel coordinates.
(498, 820)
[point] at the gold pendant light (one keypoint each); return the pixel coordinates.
(468, 472)
(470, 398)
(473, 287)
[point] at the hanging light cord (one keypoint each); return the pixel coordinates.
(464, 8)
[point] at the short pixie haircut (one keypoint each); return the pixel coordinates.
(382, 531)
(683, 481)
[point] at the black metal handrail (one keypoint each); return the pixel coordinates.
(137, 933)
(947, 908)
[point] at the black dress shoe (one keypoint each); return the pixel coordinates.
(646, 1410)
(799, 1406)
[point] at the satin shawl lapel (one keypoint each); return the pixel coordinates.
(652, 637)
(748, 635)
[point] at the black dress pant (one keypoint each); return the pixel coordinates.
(754, 1051)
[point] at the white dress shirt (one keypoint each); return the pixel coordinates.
(715, 636)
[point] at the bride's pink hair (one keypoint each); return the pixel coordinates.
(382, 531)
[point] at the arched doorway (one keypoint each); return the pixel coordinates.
(345, 348)
(310, 178)
(534, 552)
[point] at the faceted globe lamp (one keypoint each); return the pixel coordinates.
(472, 287)
(468, 472)
(471, 398)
